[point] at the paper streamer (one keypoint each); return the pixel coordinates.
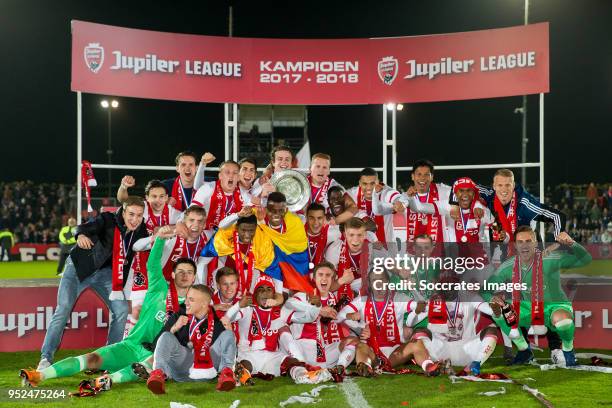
(306, 397)
(502, 390)
(533, 391)
(537, 394)
(180, 405)
(599, 369)
(588, 356)
(455, 379)
(235, 404)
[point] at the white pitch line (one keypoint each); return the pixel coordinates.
(353, 394)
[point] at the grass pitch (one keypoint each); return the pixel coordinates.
(564, 388)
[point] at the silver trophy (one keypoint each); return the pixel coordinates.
(294, 186)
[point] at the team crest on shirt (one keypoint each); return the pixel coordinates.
(139, 279)
(387, 70)
(94, 57)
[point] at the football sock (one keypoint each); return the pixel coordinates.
(565, 328)
(346, 357)
(487, 346)
(65, 368)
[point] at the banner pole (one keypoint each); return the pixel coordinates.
(234, 125)
(394, 145)
(542, 232)
(79, 156)
(384, 143)
(226, 130)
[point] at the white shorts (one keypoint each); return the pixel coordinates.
(309, 349)
(265, 362)
(460, 353)
(388, 350)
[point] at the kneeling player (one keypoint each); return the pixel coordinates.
(543, 303)
(379, 317)
(258, 349)
(323, 341)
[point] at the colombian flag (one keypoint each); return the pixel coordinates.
(290, 254)
(222, 244)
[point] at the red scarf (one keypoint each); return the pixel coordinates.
(327, 333)
(219, 206)
(202, 359)
(153, 221)
(244, 281)
(216, 300)
(537, 290)
(366, 206)
(172, 300)
(463, 234)
(417, 223)
(179, 194)
(437, 313)
(87, 180)
(139, 265)
(318, 194)
(261, 321)
(360, 271)
(383, 329)
(316, 246)
(508, 221)
(181, 250)
(119, 258)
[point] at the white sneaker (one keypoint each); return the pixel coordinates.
(42, 364)
(557, 357)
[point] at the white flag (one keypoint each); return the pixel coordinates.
(303, 156)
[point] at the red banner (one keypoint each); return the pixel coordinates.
(35, 252)
(24, 319)
(148, 64)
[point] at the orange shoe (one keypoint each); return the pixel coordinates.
(157, 382)
(243, 375)
(30, 378)
(103, 383)
(227, 380)
(433, 369)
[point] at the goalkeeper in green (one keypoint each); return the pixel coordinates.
(162, 297)
(537, 296)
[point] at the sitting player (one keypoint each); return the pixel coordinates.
(379, 319)
(323, 342)
(453, 335)
(194, 346)
(258, 348)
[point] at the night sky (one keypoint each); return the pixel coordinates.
(38, 139)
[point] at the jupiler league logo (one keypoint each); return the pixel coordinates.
(387, 70)
(94, 57)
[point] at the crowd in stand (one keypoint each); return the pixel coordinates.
(587, 208)
(36, 212)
